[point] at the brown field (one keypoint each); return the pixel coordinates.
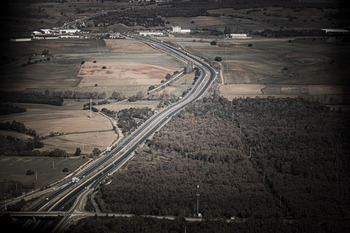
(206, 21)
(231, 91)
(128, 46)
(21, 136)
(86, 142)
(122, 74)
(45, 119)
(68, 121)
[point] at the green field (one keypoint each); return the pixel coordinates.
(15, 168)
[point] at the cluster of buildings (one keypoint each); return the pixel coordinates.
(55, 34)
(175, 30)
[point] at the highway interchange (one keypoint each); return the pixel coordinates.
(90, 177)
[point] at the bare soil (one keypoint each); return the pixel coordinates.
(128, 46)
(122, 74)
(205, 21)
(86, 142)
(45, 119)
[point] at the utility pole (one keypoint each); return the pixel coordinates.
(197, 194)
(90, 107)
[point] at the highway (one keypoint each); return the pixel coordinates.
(93, 175)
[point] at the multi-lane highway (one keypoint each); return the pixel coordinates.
(93, 175)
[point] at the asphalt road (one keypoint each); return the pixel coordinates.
(93, 175)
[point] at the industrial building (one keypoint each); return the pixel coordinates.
(177, 29)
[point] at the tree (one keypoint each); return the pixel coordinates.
(30, 172)
(168, 76)
(77, 152)
(118, 96)
(58, 153)
(132, 99)
(45, 52)
(218, 59)
(96, 152)
(139, 95)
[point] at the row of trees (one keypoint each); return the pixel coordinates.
(10, 146)
(80, 94)
(6, 109)
(38, 98)
(17, 127)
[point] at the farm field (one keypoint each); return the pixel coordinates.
(42, 75)
(15, 168)
(66, 56)
(278, 62)
(122, 74)
(47, 119)
(85, 141)
(231, 91)
(128, 46)
(44, 121)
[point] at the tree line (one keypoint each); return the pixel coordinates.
(37, 98)
(6, 109)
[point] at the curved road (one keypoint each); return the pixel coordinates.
(93, 175)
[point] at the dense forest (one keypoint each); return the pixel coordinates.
(283, 162)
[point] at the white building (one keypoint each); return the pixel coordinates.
(239, 36)
(335, 30)
(45, 37)
(146, 33)
(76, 36)
(20, 39)
(178, 29)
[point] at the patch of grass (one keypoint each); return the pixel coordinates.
(14, 168)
